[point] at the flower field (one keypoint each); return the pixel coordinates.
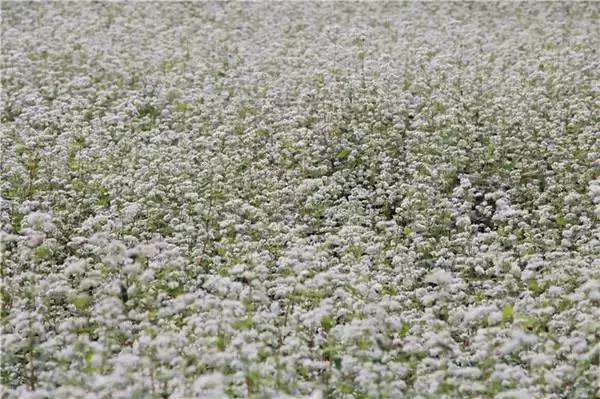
(300, 200)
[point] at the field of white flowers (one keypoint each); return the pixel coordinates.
(282, 200)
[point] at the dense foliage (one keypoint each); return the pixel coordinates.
(270, 200)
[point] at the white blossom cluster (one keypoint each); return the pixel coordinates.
(282, 200)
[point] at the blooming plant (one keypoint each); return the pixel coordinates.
(281, 200)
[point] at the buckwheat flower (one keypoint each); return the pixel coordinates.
(75, 267)
(210, 385)
(519, 339)
(439, 277)
(514, 394)
(33, 394)
(263, 222)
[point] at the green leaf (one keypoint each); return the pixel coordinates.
(5, 303)
(181, 107)
(343, 154)
(561, 221)
(329, 352)
(243, 324)
(445, 387)
(16, 218)
(223, 271)
(223, 340)
(564, 304)
(389, 289)
(81, 302)
(103, 197)
(535, 287)
(363, 342)
(404, 329)
(528, 322)
(249, 305)
(252, 380)
(507, 312)
(217, 196)
(262, 133)
(327, 322)
(148, 110)
(345, 388)
(42, 252)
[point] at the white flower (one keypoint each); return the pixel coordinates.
(440, 277)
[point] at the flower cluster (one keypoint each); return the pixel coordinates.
(277, 200)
